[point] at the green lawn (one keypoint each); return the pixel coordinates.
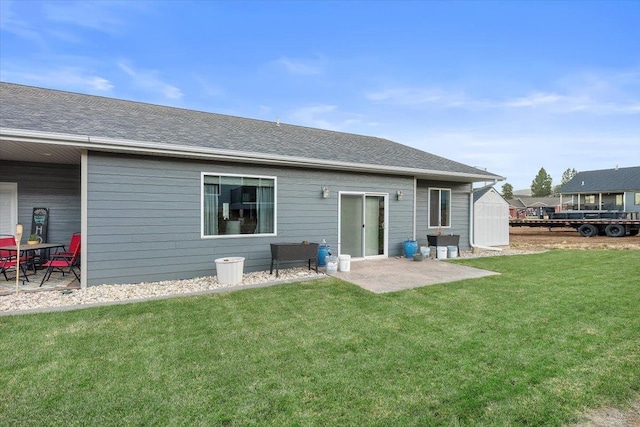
(554, 334)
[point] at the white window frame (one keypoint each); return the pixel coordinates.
(11, 190)
(440, 190)
(235, 175)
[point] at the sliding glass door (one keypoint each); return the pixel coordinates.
(362, 224)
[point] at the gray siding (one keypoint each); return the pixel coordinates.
(144, 216)
(56, 187)
(459, 214)
(629, 201)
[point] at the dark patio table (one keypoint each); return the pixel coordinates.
(24, 249)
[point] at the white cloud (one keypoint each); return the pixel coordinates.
(419, 96)
(264, 110)
(10, 23)
(147, 80)
(534, 100)
(554, 103)
(315, 116)
(207, 88)
(103, 16)
(331, 117)
(601, 93)
(546, 101)
(308, 67)
(68, 78)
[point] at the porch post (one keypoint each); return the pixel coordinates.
(599, 201)
(19, 230)
(84, 175)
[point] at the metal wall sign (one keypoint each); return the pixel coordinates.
(39, 226)
(40, 223)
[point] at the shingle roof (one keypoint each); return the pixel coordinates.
(604, 180)
(479, 192)
(516, 203)
(529, 202)
(46, 110)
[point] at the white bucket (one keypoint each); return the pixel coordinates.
(424, 250)
(453, 251)
(345, 262)
(229, 270)
(442, 252)
(332, 264)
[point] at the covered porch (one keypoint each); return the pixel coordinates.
(593, 201)
(37, 175)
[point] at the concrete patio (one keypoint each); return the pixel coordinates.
(397, 274)
(56, 282)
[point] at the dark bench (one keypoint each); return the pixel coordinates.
(293, 252)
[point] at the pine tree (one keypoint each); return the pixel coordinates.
(507, 191)
(567, 176)
(541, 184)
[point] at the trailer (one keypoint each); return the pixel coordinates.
(587, 223)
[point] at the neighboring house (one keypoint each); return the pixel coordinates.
(522, 207)
(490, 218)
(159, 193)
(615, 189)
(526, 192)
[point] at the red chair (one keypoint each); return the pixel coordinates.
(73, 244)
(8, 258)
(61, 263)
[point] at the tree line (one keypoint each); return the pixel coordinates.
(541, 186)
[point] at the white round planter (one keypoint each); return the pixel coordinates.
(229, 270)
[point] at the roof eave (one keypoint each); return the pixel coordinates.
(86, 142)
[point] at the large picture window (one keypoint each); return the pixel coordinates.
(235, 205)
(439, 207)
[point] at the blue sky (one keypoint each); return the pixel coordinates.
(506, 86)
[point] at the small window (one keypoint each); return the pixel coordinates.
(591, 198)
(439, 207)
(234, 205)
(636, 199)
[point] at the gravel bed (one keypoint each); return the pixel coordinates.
(478, 253)
(25, 302)
(104, 294)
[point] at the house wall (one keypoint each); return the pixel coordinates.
(52, 186)
(629, 201)
(459, 215)
(491, 220)
(144, 216)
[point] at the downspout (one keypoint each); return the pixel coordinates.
(471, 243)
(415, 206)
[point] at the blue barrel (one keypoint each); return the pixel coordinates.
(323, 251)
(410, 248)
